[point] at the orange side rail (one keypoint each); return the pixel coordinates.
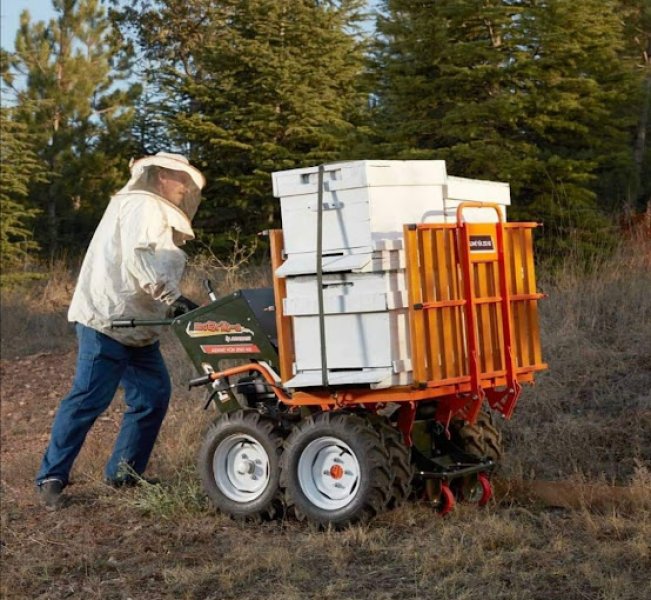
(283, 322)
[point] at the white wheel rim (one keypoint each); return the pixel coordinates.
(329, 473)
(240, 467)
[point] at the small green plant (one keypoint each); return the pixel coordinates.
(181, 497)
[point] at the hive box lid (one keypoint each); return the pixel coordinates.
(359, 174)
(302, 264)
(371, 262)
(478, 190)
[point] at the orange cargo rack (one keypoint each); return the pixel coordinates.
(473, 310)
(473, 319)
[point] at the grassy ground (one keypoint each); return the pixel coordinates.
(587, 419)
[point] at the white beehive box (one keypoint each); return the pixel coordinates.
(361, 347)
(347, 284)
(358, 340)
(380, 378)
(346, 293)
(460, 189)
(366, 328)
(362, 201)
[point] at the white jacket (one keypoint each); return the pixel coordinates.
(133, 266)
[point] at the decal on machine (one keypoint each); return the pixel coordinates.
(481, 243)
(229, 348)
(236, 331)
(235, 338)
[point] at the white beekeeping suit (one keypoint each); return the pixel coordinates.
(133, 266)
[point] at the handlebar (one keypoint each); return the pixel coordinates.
(203, 380)
(125, 323)
(473, 204)
(122, 323)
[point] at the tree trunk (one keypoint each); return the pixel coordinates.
(52, 225)
(642, 126)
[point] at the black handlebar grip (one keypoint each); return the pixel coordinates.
(122, 323)
(203, 380)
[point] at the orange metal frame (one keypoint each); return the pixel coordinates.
(473, 321)
(283, 322)
(473, 311)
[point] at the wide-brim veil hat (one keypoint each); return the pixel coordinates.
(167, 160)
(179, 214)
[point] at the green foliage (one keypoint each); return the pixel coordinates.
(68, 96)
(534, 93)
(20, 166)
(181, 497)
(553, 96)
(636, 16)
(253, 87)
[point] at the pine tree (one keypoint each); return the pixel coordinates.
(19, 167)
(526, 91)
(150, 130)
(255, 86)
(71, 101)
(636, 15)
(446, 86)
(579, 83)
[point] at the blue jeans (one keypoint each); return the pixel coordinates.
(102, 364)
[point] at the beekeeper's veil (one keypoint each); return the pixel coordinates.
(144, 178)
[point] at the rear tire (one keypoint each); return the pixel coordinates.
(482, 440)
(336, 470)
(239, 465)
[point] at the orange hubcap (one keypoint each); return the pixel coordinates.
(336, 472)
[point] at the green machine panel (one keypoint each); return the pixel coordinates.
(239, 326)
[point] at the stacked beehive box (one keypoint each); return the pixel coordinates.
(364, 207)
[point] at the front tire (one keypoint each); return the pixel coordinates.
(336, 470)
(239, 465)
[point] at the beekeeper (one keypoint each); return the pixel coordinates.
(132, 268)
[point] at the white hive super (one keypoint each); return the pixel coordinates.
(365, 205)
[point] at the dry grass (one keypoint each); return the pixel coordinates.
(34, 314)
(590, 414)
(587, 421)
(33, 317)
(503, 552)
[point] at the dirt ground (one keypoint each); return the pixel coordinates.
(152, 543)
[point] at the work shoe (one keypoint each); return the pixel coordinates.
(131, 481)
(50, 493)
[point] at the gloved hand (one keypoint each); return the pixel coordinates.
(182, 305)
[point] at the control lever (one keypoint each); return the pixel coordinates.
(211, 293)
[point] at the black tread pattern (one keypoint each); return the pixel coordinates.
(482, 439)
(402, 469)
(366, 442)
(264, 429)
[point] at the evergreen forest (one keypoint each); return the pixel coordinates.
(552, 96)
